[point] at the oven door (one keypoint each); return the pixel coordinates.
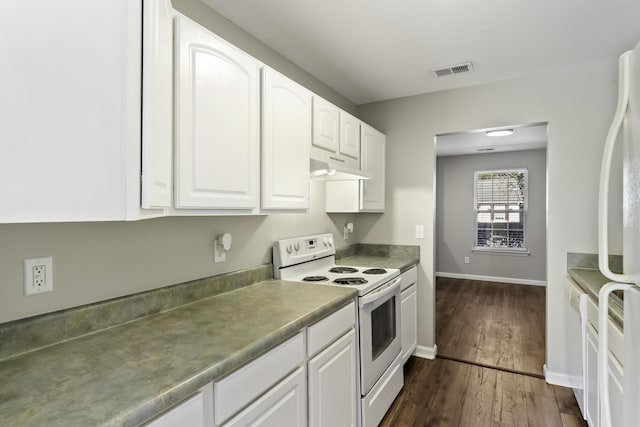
(379, 332)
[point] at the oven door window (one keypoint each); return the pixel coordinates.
(383, 327)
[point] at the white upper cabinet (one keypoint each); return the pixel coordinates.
(217, 145)
(373, 161)
(326, 125)
(71, 88)
(286, 143)
(349, 135)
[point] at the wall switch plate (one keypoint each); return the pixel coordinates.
(38, 275)
(466, 260)
(419, 231)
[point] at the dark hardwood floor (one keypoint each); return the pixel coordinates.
(488, 372)
(492, 324)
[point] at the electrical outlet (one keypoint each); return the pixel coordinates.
(419, 231)
(466, 260)
(38, 275)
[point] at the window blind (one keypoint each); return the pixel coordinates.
(500, 209)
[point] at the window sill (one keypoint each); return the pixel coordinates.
(491, 251)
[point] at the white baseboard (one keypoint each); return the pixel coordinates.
(426, 352)
(491, 278)
(563, 380)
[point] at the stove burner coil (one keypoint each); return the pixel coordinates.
(343, 270)
(315, 279)
(350, 281)
(375, 271)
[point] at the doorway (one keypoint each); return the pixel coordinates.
(490, 248)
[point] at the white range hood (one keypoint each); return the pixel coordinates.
(322, 170)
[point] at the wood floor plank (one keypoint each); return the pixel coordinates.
(542, 410)
(477, 409)
(510, 407)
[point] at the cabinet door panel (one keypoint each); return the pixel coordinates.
(70, 110)
(592, 412)
(326, 125)
(332, 385)
(286, 143)
(409, 307)
(217, 116)
(349, 135)
(373, 161)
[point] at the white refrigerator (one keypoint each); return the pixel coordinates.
(624, 130)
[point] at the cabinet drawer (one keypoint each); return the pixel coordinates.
(329, 329)
(237, 390)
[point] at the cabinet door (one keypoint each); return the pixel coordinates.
(326, 125)
(349, 135)
(332, 385)
(373, 162)
(282, 405)
(217, 122)
(592, 412)
(409, 309)
(70, 110)
(286, 143)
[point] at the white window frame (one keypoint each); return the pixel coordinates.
(524, 251)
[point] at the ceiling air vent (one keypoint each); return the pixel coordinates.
(465, 67)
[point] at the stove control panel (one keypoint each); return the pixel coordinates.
(293, 251)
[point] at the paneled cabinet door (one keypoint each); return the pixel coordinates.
(217, 120)
(373, 161)
(283, 405)
(286, 143)
(349, 135)
(409, 308)
(332, 385)
(326, 125)
(592, 412)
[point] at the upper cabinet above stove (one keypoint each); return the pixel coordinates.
(362, 195)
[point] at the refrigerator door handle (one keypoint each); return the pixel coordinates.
(605, 171)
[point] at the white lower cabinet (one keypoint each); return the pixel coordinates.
(332, 384)
(409, 312)
(309, 380)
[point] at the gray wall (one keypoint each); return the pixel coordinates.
(455, 227)
(95, 261)
(578, 104)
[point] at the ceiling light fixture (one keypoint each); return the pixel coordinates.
(499, 132)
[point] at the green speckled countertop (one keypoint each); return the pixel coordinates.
(127, 374)
(403, 263)
(591, 280)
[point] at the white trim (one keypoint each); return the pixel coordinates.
(492, 278)
(425, 352)
(564, 380)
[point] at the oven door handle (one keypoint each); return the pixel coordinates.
(381, 292)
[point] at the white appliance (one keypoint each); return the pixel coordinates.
(311, 259)
(627, 119)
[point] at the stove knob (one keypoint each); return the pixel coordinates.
(297, 246)
(289, 249)
(330, 242)
(325, 242)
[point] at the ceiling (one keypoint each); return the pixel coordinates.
(371, 50)
(526, 137)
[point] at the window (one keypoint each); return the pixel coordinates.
(500, 210)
